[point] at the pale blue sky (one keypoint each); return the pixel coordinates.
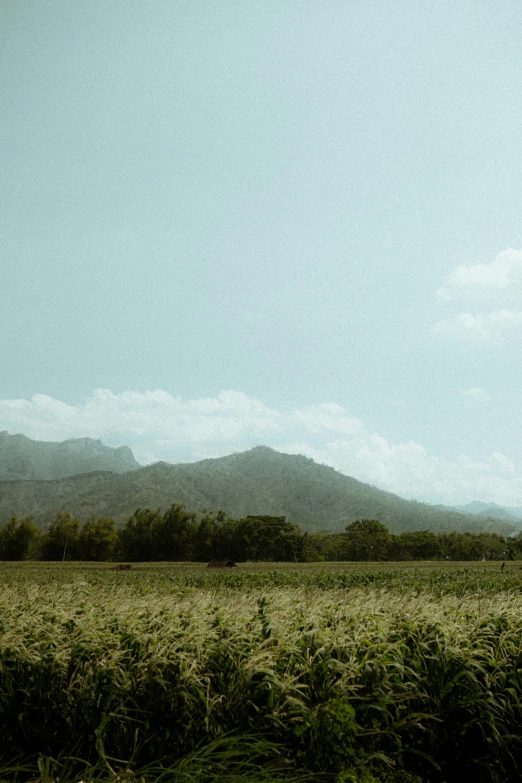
(265, 198)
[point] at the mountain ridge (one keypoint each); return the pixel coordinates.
(22, 458)
(258, 481)
(488, 510)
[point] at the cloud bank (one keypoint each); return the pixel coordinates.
(159, 426)
(497, 285)
(502, 275)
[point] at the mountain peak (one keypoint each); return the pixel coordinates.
(260, 481)
(260, 451)
(24, 459)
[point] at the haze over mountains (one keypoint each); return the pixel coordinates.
(490, 510)
(22, 458)
(86, 478)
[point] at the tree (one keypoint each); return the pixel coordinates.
(17, 538)
(174, 534)
(267, 538)
(515, 547)
(332, 546)
(137, 539)
(61, 539)
(368, 540)
(98, 539)
(460, 546)
(421, 545)
(207, 534)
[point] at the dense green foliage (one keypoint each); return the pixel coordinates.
(17, 539)
(178, 535)
(361, 674)
(255, 483)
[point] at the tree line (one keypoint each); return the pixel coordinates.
(179, 535)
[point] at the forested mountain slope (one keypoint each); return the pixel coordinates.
(260, 481)
(22, 458)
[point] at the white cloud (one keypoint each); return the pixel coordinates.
(479, 326)
(501, 276)
(328, 417)
(497, 285)
(504, 462)
(157, 425)
(476, 394)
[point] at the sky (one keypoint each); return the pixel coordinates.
(296, 224)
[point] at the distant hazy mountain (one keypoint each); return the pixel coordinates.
(23, 458)
(490, 511)
(260, 481)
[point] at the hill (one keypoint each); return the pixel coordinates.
(260, 481)
(478, 508)
(22, 458)
(492, 510)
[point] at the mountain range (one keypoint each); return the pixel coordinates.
(22, 458)
(492, 510)
(37, 481)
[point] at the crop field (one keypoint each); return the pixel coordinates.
(345, 672)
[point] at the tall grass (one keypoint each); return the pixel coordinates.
(433, 577)
(184, 676)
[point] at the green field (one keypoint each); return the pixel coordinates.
(341, 672)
